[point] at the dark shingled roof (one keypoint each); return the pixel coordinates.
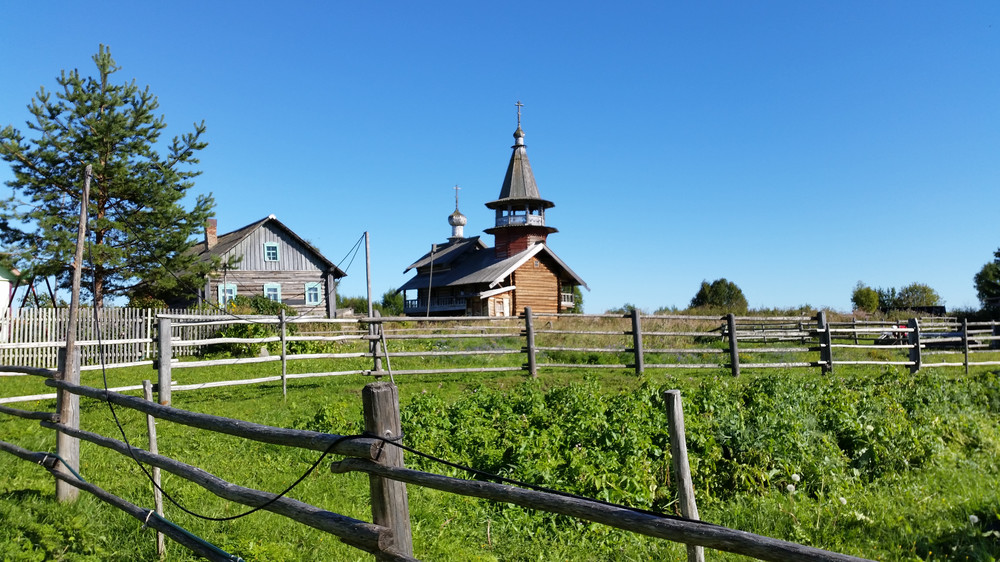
(227, 241)
(519, 183)
(449, 252)
(485, 267)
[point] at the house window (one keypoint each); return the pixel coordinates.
(314, 293)
(270, 251)
(273, 291)
(227, 292)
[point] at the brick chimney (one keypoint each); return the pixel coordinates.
(211, 238)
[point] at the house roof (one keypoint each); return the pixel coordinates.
(519, 183)
(227, 241)
(445, 254)
(485, 267)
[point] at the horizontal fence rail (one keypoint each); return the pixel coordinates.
(562, 341)
(387, 537)
(528, 344)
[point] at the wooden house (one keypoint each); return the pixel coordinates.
(464, 276)
(270, 260)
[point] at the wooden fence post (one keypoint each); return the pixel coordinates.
(995, 344)
(637, 342)
(165, 355)
(375, 333)
(965, 343)
(854, 322)
(68, 408)
(825, 343)
(529, 334)
(147, 393)
(734, 350)
(913, 338)
(682, 471)
(390, 507)
(284, 356)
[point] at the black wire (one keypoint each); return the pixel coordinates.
(193, 291)
(121, 429)
(496, 477)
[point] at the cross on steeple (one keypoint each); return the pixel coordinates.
(519, 106)
(456, 188)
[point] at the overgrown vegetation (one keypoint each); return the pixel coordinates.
(874, 462)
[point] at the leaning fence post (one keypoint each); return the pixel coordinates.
(390, 507)
(682, 471)
(529, 334)
(637, 342)
(284, 357)
(825, 343)
(913, 338)
(147, 393)
(68, 407)
(734, 350)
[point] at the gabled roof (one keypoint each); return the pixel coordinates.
(445, 254)
(227, 241)
(485, 267)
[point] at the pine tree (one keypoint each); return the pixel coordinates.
(139, 227)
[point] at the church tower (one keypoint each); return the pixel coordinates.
(520, 210)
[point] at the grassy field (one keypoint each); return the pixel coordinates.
(884, 464)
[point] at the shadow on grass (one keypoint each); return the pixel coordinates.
(974, 541)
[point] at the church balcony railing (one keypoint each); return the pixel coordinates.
(437, 304)
(567, 299)
(532, 220)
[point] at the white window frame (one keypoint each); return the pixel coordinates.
(277, 289)
(224, 296)
(318, 294)
(277, 252)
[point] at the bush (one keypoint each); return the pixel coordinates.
(864, 298)
(722, 295)
(255, 305)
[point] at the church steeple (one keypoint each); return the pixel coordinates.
(520, 210)
(457, 221)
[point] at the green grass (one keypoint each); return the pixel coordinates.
(909, 484)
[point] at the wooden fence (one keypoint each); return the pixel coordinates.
(32, 337)
(532, 343)
(528, 344)
(388, 536)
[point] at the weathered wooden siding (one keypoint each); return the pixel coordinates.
(293, 287)
(292, 256)
(537, 286)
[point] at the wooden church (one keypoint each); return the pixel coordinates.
(465, 277)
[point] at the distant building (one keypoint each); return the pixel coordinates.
(8, 281)
(272, 261)
(464, 276)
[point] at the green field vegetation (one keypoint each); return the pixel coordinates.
(889, 465)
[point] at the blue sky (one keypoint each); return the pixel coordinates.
(791, 147)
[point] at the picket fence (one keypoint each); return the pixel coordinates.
(32, 337)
